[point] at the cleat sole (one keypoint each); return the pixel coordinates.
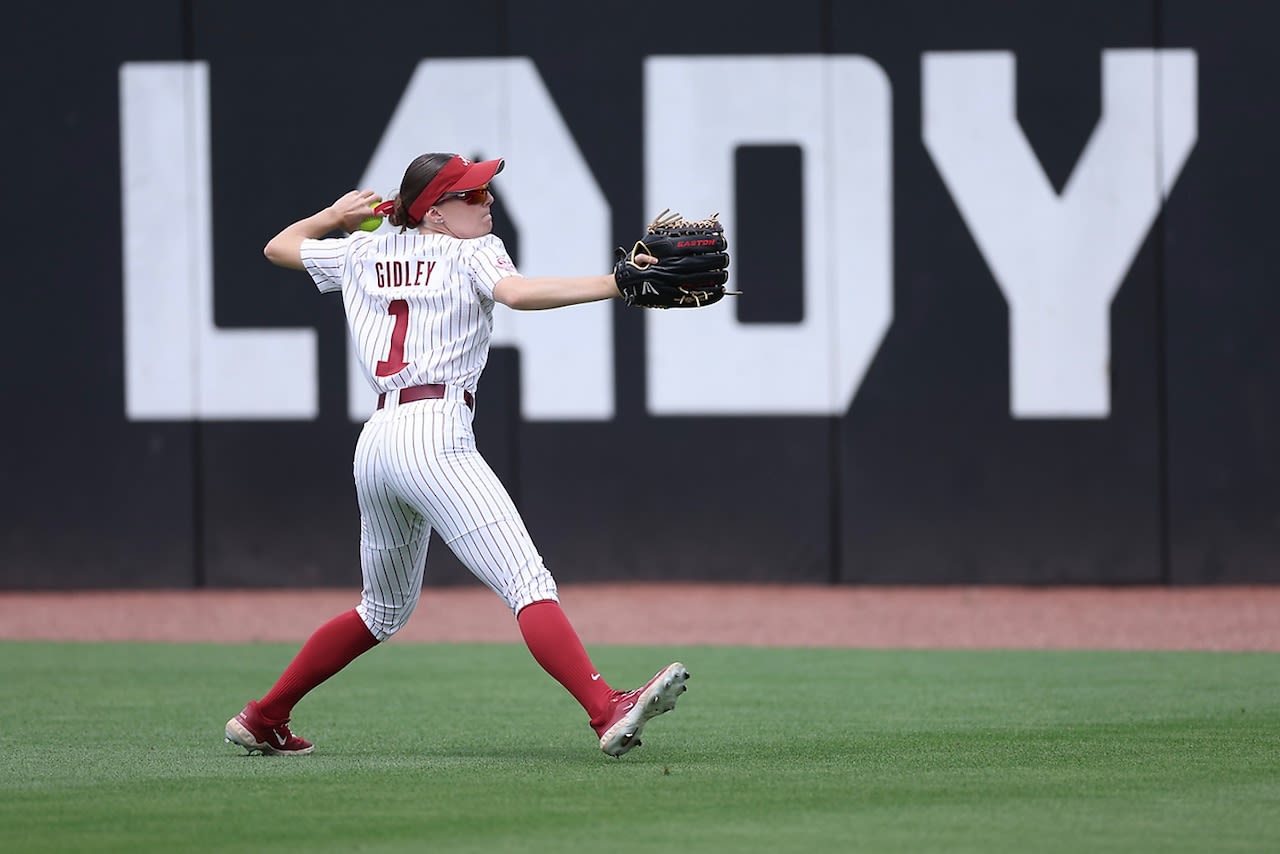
(658, 697)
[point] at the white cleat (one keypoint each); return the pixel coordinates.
(634, 709)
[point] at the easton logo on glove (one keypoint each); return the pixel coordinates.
(690, 271)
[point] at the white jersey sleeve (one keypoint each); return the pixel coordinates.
(489, 264)
(326, 260)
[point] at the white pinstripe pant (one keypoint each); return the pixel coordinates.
(417, 469)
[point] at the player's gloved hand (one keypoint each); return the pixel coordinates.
(676, 264)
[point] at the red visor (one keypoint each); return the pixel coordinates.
(457, 175)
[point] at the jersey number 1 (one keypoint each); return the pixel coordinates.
(395, 363)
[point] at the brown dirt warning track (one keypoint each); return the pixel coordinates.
(1197, 618)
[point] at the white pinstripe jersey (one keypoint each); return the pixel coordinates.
(419, 306)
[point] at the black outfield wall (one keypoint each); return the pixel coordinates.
(1007, 312)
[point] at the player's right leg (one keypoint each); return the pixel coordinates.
(256, 734)
(393, 543)
(394, 535)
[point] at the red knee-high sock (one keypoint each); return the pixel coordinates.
(329, 649)
(556, 646)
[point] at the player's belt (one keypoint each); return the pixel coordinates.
(430, 391)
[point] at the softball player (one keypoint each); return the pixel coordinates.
(419, 307)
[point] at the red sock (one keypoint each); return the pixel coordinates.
(556, 646)
(329, 649)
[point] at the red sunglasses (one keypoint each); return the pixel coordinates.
(478, 196)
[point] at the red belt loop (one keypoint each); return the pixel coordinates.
(430, 391)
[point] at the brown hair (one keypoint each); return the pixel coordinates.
(416, 178)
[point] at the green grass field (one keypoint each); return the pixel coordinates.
(473, 748)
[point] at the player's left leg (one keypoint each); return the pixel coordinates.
(463, 499)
